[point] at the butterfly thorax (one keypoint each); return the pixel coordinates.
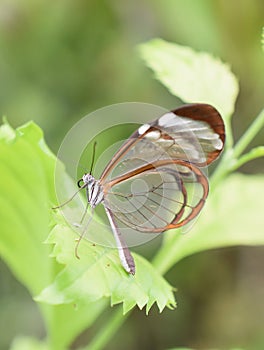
(94, 190)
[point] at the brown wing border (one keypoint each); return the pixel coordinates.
(210, 115)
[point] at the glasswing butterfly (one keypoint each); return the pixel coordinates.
(154, 182)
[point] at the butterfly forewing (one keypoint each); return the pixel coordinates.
(194, 133)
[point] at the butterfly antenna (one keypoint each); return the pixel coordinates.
(93, 157)
(82, 235)
(62, 205)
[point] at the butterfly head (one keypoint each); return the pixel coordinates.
(88, 179)
(94, 190)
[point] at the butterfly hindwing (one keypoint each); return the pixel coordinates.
(157, 197)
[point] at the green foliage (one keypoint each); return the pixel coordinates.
(101, 266)
(75, 292)
(27, 191)
(192, 76)
(26, 181)
(238, 222)
(235, 222)
(27, 166)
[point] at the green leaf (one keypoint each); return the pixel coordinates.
(66, 322)
(98, 274)
(27, 190)
(26, 173)
(27, 194)
(192, 76)
(232, 216)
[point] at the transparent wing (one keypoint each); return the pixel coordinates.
(194, 133)
(157, 197)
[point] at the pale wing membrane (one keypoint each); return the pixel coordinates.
(157, 199)
(182, 136)
(207, 127)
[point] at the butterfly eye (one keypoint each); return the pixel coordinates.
(79, 183)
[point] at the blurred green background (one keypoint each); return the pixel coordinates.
(60, 60)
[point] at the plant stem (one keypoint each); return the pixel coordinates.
(249, 135)
(245, 158)
(229, 134)
(107, 331)
(230, 160)
(223, 168)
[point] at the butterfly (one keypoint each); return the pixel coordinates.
(155, 181)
